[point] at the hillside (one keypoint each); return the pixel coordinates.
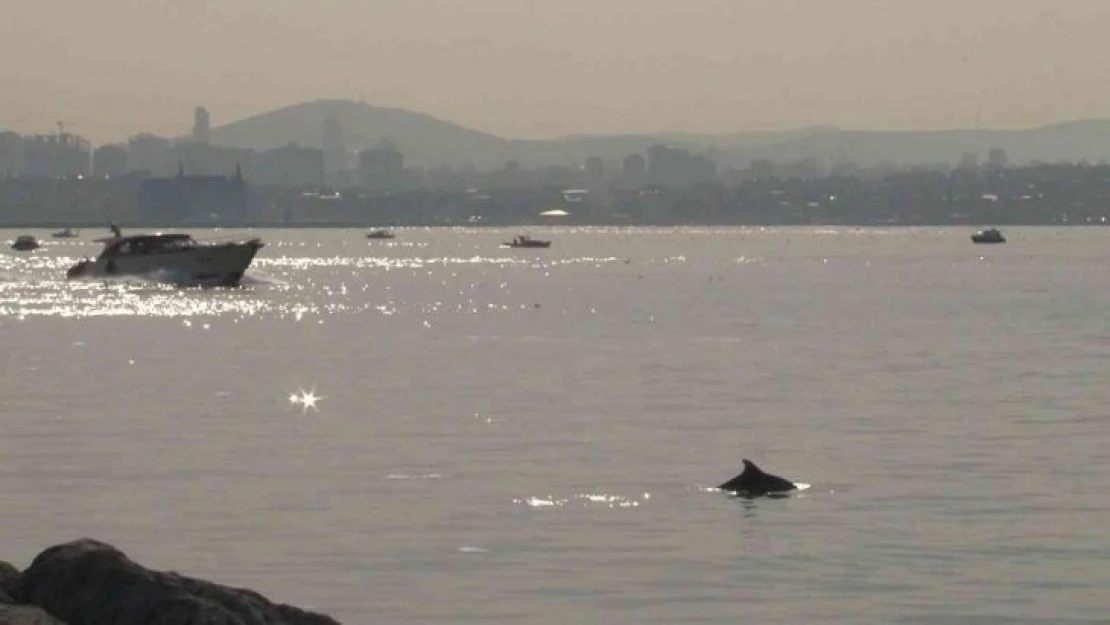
(425, 140)
(1072, 141)
(430, 142)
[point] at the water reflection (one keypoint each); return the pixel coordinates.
(603, 500)
(748, 505)
(286, 286)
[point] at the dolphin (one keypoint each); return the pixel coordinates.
(753, 482)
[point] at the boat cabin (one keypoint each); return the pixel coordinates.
(990, 235)
(148, 244)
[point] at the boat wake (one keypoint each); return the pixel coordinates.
(134, 280)
(261, 279)
(170, 280)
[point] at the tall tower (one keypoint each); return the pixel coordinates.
(202, 125)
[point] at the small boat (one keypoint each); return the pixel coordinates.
(25, 243)
(380, 234)
(527, 241)
(990, 235)
(66, 234)
(172, 258)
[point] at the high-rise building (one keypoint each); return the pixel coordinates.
(997, 159)
(634, 171)
(678, 168)
(146, 152)
(381, 168)
(335, 152)
(208, 160)
(202, 125)
(11, 155)
(290, 165)
(109, 161)
(594, 172)
(185, 198)
(63, 154)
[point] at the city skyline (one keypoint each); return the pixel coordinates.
(521, 70)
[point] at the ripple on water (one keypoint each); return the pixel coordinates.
(414, 476)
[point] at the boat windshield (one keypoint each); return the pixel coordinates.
(143, 246)
(174, 244)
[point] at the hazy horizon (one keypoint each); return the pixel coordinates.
(114, 68)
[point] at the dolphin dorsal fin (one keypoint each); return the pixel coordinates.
(750, 466)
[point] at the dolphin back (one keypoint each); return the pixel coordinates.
(753, 481)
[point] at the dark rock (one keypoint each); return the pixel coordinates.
(26, 615)
(87, 582)
(9, 580)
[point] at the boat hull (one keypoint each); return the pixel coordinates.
(220, 264)
(537, 244)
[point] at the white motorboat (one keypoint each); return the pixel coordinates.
(173, 258)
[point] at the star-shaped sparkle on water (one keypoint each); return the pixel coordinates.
(306, 399)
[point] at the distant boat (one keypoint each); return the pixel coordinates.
(990, 235)
(527, 241)
(25, 243)
(66, 234)
(379, 234)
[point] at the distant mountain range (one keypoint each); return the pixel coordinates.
(430, 142)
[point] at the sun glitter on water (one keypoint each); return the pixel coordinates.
(306, 400)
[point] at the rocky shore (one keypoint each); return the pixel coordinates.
(87, 582)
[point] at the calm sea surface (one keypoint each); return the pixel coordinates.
(529, 436)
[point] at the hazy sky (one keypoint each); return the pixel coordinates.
(531, 68)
